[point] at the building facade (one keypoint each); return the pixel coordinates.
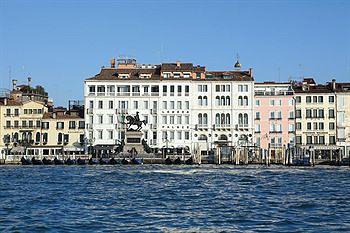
(316, 125)
(274, 119)
(186, 107)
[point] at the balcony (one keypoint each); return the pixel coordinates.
(273, 93)
(154, 93)
(223, 126)
(101, 93)
(187, 94)
(275, 131)
(275, 118)
(123, 93)
(90, 111)
(153, 111)
(110, 93)
(136, 94)
(121, 111)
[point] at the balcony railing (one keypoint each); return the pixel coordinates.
(123, 93)
(154, 93)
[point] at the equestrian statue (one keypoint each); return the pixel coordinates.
(134, 121)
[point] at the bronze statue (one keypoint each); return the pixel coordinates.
(135, 121)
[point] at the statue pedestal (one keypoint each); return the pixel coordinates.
(133, 142)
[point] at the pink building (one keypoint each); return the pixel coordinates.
(274, 119)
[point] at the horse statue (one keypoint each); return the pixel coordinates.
(135, 121)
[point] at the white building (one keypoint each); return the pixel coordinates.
(184, 105)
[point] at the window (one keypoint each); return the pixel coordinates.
(291, 102)
(298, 99)
(272, 115)
(172, 135)
(179, 135)
(91, 104)
(71, 124)
(279, 115)
(172, 120)
(38, 123)
(187, 90)
(309, 126)
(8, 124)
(100, 104)
(81, 124)
(272, 102)
(217, 88)
(164, 120)
(298, 113)
(187, 120)
(291, 128)
(257, 128)
(16, 112)
(59, 138)
(179, 90)
(298, 126)
(291, 115)
(179, 119)
(308, 113)
(257, 115)
(100, 119)
(299, 140)
(45, 125)
(165, 90)
(164, 104)
(320, 113)
(179, 105)
(187, 104)
(331, 126)
(309, 139)
(331, 140)
(314, 99)
(205, 101)
(321, 126)
(331, 113)
(136, 105)
(321, 140)
(320, 99)
(172, 90)
(308, 99)
(245, 100)
(110, 134)
(60, 125)
(110, 119)
(145, 104)
(331, 99)
(110, 104)
(278, 102)
(257, 102)
(187, 135)
(315, 125)
(66, 138)
(172, 104)
(99, 134)
(200, 88)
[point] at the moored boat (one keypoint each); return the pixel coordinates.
(47, 161)
(177, 161)
(25, 161)
(57, 161)
(36, 161)
(112, 161)
(124, 161)
(69, 161)
(92, 162)
(189, 161)
(81, 161)
(168, 161)
(136, 161)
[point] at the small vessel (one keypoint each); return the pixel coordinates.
(81, 161)
(69, 161)
(36, 161)
(47, 161)
(112, 161)
(189, 161)
(177, 161)
(136, 161)
(168, 161)
(102, 162)
(57, 161)
(92, 162)
(124, 161)
(25, 161)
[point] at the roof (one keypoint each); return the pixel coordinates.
(49, 115)
(313, 89)
(342, 87)
(228, 75)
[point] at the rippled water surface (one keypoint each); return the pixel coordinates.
(174, 199)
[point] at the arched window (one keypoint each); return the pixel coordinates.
(200, 102)
(217, 101)
(217, 119)
(228, 120)
(240, 101)
(203, 137)
(200, 119)
(245, 100)
(240, 119)
(29, 136)
(222, 137)
(37, 137)
(222, 102)
(205, 119)
(45, 138)
(222, 118)
(228, 102)
(15, 137)
(205, 100)
(59, 139)
(245, 119)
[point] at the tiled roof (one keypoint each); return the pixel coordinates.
(313, 89)
(49, 115)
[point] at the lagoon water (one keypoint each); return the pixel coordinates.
(158, 198)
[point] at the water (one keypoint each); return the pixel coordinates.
(158, 198)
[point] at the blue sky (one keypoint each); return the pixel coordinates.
(60, 43)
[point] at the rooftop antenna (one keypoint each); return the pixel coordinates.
(237, 65)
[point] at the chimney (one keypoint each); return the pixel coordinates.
(29, 81)
(112, 61)
(5, 101)
(251, 72)
(178, 63)
(333, 84)
(14, 84)
(54, 115)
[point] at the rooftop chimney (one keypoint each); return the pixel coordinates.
(178, 63)
(14, 84)
(251, 72)
(112, 61)
(29, 81)
(333, 84)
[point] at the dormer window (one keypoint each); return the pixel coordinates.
(123, 76)
(166, 75)
(145, 76)
(176, 75)
(187, 75)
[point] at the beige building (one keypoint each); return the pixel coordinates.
(30, 127)
(315, 113)
(343, 117)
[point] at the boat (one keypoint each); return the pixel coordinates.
(57, 161)
(102, 162)
(81, 161)
(124, 161)
(177, 161)
(25, 161)
(69, 161)
(112, 161)
(47, 161)
(92, 162)
(189, 161)
(168, 161)
(36, 161)
(136, 161)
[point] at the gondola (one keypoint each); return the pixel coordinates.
(135, 161)
(177, 161)
(112, 161)
(69, 161)
(57, 161)
(36, 161)
(92, 162)
(81, 161)
(189, 161)
(25, 161)
(47, 161)
(168, 161)
(124, 161)
(102, 162)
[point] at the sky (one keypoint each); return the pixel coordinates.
(61, 43)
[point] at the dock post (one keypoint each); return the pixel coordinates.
(219, 155)
(238, 153)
